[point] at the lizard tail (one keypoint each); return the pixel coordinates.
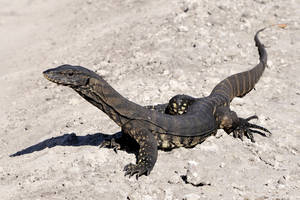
(238, 85)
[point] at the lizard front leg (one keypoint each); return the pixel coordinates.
(117, 143)
(177, 105)
(147, 154)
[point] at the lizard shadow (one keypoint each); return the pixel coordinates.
(71, 139)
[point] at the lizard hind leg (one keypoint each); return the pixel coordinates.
(179, 104)
(147, 154)
(240, 127)
(247, 129)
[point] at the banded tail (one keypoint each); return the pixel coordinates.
(238, 85)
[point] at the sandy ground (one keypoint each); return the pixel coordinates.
(149, 51)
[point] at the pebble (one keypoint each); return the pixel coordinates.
(191, 196)
(166, 72)
(27, 127)
(175, 179)
(282, 180)
(222, 165)
(188, 5)
(74, 101)
(183, 29)
(197, 174)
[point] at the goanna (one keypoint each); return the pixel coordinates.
(183, 122)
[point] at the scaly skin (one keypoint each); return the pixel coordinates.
(237, 85)
(184, 122)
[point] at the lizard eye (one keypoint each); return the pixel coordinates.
(70, 74)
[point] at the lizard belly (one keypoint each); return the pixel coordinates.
(166, 141)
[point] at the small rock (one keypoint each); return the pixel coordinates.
(102, 72)
(69, 124)
(237, 187)
(188, 5)
(175, 179)
(208, 24)
(74, 101)
(282, 180)
(166, 72)
(183, 29)
(27, 127)
(222, 165)
(197, 175)
(191, 196)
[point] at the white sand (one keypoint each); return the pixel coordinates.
(148, 51)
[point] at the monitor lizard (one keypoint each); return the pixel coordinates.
(183, 122)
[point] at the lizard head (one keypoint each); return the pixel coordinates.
(68, 75)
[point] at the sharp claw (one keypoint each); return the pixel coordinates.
(258, 127)
(240, 135)
(251, 117)
(131, 170)
(103, 144)
(137, 170)
(234, 134)
(148, 172)
(110, 144)
(127, 167)
(116, 149)
(126, 173)
(249, 135)
(141, 172)
(258, 132)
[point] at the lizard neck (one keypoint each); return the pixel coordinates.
(100, 94)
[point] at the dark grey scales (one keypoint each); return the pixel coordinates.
(183, 122)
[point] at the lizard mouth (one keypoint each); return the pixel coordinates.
(54, 80)
(65, 82)
(50, 79)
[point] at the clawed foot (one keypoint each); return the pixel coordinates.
(138, 169)
(247, 129)
(110, 143)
